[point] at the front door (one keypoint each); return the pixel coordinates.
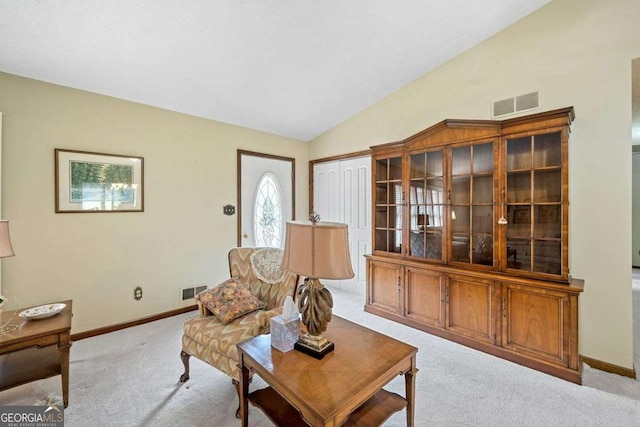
(265, 198)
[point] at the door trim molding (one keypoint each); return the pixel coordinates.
(241, 153)
(312, 163)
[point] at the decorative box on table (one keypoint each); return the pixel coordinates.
(284, 333)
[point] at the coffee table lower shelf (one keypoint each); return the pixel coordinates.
(373, 412)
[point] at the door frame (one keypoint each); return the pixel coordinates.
(241, 153)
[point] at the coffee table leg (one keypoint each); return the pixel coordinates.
(244, 392)
(410, 390)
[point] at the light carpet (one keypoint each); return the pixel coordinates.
(130, 378)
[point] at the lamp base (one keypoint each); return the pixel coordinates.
(314, 346)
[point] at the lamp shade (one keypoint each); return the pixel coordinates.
(5, 243)
(319, 251)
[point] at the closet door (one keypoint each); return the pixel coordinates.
(342, 193)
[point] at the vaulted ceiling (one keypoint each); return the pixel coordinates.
(294, 68)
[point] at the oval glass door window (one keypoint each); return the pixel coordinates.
(268, 212)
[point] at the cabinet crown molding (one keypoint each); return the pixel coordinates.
(450, 131)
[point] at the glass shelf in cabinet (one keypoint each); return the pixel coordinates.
(519, 154)
(395, 169)
(519, 187)
(417, 166)
(461, 190)
(483, 158)
(482, 190)
(547, 187)
(461, 160)
(547, 150)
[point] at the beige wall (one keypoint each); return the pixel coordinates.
(575, 52)
(181, 239)
(635, 218)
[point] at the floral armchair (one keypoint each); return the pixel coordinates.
(207, 336)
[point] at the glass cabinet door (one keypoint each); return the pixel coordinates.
(471, 199)
(426, 204)
(534, 203)
(388, 205)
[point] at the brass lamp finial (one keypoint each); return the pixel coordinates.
(314, 218)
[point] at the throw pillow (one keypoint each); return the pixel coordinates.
(229, 300)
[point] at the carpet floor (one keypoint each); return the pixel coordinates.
(130, 378)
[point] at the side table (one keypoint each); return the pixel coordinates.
(38, 349)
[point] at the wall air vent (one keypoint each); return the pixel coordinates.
(525, 102)
(189, 293)
(503, 107)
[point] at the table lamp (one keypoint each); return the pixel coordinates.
(316, 250)
(5, 251)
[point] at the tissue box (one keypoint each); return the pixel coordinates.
(284, 333)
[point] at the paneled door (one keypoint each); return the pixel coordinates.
(265, 198)
(342, 193)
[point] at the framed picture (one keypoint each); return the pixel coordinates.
(96, 182)
(521, 214)
(548, 214)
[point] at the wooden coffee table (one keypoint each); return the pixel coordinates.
(344, 388)
(38, 349)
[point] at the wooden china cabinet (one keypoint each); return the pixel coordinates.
(470, 238)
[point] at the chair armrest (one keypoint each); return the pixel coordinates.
(202, 310)
(263, 319)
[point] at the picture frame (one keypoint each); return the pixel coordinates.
(88, 182)
(548, 214)
(521, 215)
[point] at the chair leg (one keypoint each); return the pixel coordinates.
(185, 361)
(236, 384)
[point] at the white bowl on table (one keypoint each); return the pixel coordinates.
(42, 311)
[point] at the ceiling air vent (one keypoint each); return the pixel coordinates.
(516, 104)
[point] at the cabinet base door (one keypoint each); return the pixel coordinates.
(425, 295)
(469, 308)
(536, 322)
(384, 286)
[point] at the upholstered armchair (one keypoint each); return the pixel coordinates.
(213, 334)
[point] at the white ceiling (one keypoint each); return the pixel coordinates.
(294, 68)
